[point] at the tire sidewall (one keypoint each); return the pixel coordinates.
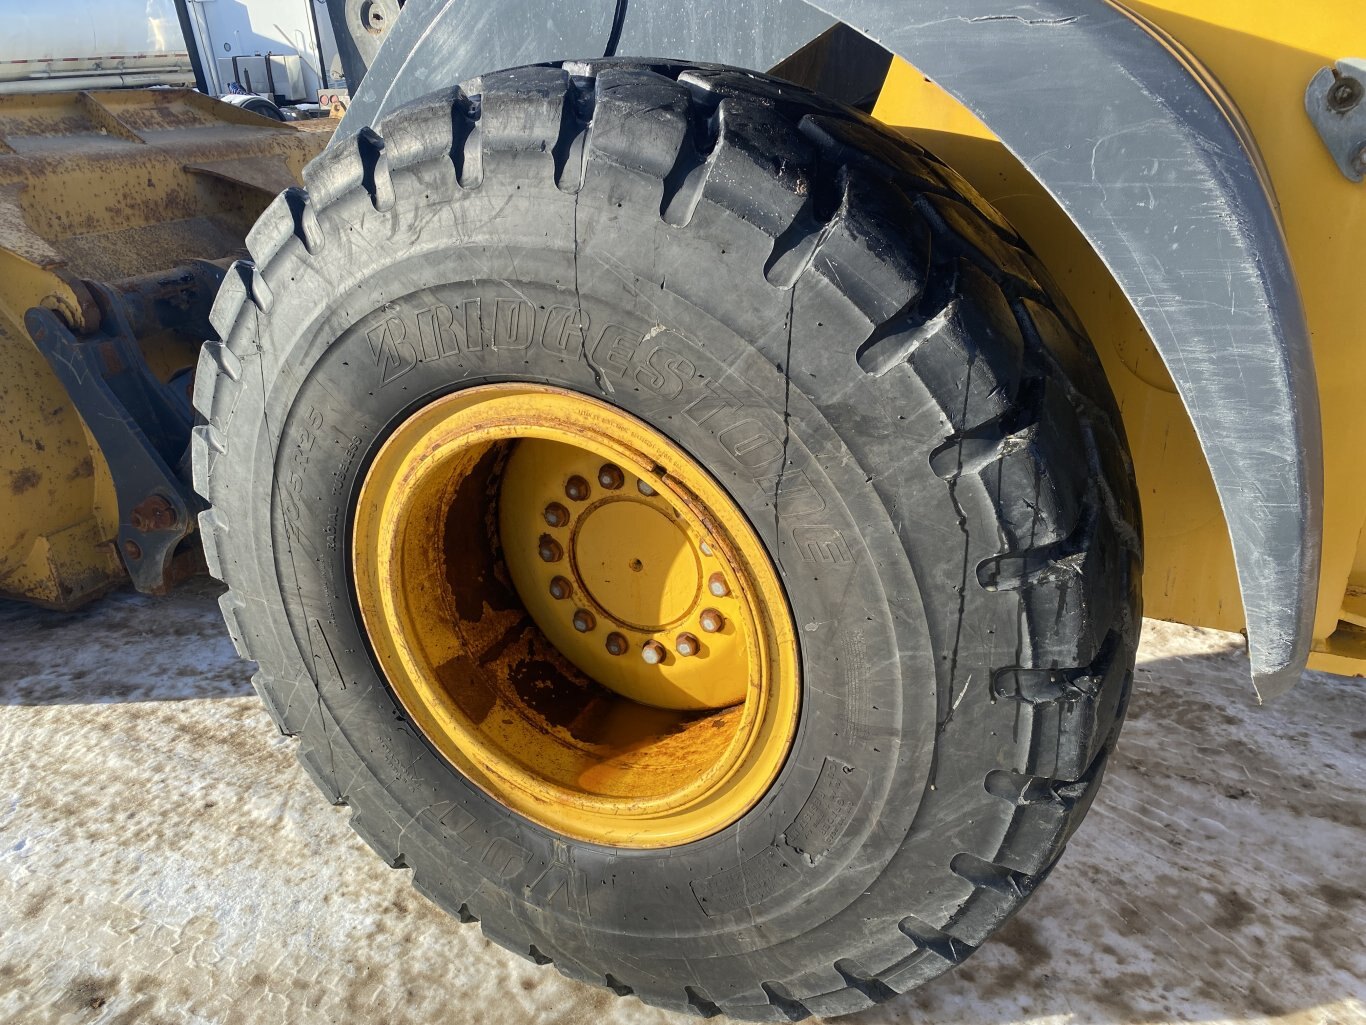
(866, 723)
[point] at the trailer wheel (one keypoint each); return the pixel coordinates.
(682, 522)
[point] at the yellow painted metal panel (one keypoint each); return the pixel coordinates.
(1263, 54)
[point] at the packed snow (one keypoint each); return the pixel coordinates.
(165, 861)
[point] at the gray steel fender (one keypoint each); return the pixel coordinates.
(1121, 130)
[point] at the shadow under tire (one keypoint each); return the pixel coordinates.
(868, 361)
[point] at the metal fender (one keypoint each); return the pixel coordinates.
(1126, 133)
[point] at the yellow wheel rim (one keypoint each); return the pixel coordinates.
(576, 616)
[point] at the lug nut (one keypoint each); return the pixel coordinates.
(686, 645)
(549, 549)
(560, 589)
(611, 477)
(584, 621)
(711, 620)
(644, 488)
(717, 585)
(653, 653)
(556, 515)
(576, 488)
(706, 548)
(616, 644)
(132, 549)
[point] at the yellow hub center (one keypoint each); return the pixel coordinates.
(575, 615)
(618, 576)
(636, 564)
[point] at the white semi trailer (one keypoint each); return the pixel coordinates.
(93, 44)
(279, 48)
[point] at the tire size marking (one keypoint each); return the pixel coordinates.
(342, 473)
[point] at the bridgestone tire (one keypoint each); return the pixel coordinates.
(869, 360)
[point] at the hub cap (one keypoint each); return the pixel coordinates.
(575, 615)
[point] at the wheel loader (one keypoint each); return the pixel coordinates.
(690, 475)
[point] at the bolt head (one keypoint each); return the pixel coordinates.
(644, 488)
(711, 620)
(611, 477)
(687, 645)
(653, 653)
(584, 621)
(1344, 94)
(560, 589)
(153, 513)
(1359, 159)
(556, 515)
(549, 549)
(717, 585)
(576, 488)
(616, 644)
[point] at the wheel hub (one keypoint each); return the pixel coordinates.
(575, 615)
(636, 565)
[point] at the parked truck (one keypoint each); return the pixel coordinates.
(690, 475)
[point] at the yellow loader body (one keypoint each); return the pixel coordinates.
(1263, 54)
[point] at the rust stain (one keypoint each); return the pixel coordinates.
(38, 126)
(24, 480)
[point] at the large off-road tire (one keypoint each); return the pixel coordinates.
(868, 360)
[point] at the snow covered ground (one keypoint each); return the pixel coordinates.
(164, 860)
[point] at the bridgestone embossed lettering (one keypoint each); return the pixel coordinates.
(860, 351)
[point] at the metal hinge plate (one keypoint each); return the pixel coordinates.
(1336, 103)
